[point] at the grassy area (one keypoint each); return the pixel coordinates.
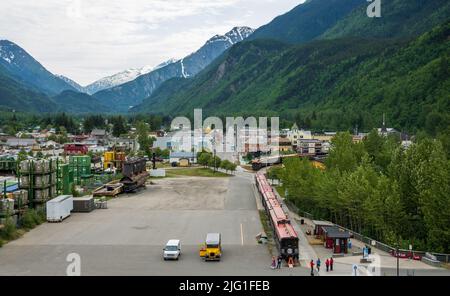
(194, 172)
(163, 165)
(9, 232)
(268, 230)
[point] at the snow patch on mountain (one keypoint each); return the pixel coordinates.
(6, 54)
(117, 79)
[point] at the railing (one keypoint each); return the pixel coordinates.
(445, 258)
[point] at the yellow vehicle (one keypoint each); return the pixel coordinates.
(212, 249)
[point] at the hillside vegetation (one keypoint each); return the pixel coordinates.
(328, 84)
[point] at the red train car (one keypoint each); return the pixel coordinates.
(285, 236)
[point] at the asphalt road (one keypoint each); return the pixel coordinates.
(128, 237)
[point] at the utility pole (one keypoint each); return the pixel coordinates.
(213, 142)
(215, 165)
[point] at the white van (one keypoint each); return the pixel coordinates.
(172, 251)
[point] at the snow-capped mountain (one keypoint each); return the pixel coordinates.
(135, 91)
(24, 68)
(72, 83)
(116, 79)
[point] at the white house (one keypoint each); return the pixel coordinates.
(296, 134)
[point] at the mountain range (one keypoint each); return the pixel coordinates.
(28, 86)
(324, 64)
(24, 68)
(132, 93)
(339, 77)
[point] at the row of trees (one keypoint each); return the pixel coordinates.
(379, 189)
(207, 159)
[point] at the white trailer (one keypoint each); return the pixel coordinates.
(59, 208)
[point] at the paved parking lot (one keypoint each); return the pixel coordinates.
(127, 238)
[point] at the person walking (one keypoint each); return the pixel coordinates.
(280, 260)
(327, 264)
(331, 263)
(318, 264)
(312, 267)
(274, 262)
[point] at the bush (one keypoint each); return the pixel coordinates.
(9, 232)
(28, 220)
(32, 218)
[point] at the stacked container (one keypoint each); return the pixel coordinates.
(7, 163)
(65, 179)
(80, 166)
(38, 177)
(20, 199)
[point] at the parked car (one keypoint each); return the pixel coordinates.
(172, 250)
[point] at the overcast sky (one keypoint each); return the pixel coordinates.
(89, 39)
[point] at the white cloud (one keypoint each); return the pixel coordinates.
(89, 39)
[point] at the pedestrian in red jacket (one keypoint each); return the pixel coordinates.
(327, 264)
(312, 267)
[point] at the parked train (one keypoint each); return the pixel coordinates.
(286, 237)
(134, 174)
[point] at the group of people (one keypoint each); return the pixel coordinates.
(328, 264)
(276, 262)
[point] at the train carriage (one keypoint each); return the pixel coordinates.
(285, 236)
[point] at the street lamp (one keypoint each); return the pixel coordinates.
(398, 259)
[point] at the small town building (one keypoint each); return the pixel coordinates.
(100, 134)
(181, 157)
(284, 144)
(318, 224)
(20, 143)
(325, 137)
(123, 144)
(309, 146)
(163, 143)
(75, 149)
(336, 239)
(296, 134)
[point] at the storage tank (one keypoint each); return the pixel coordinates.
(59, 208)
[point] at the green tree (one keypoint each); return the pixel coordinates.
(225, 165)
(214, 162)
(22, 155)
(232, 167)
(204, 158)
(344, 154)
(143, 137)
(118, 126)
